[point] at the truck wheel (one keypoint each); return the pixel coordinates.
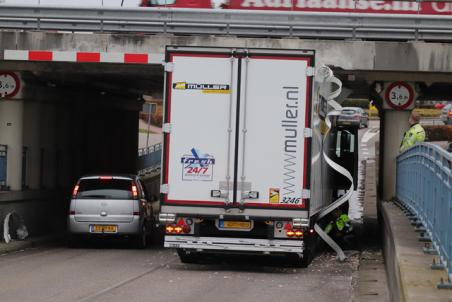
(187, 257)
(298, 261)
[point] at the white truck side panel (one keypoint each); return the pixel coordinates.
(199, 104)
(274, 101)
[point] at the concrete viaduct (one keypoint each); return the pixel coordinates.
(58, 111)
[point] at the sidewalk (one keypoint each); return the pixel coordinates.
(372, 284)
(30, 242)
(412, 280)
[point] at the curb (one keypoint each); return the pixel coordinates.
(409, 275)
(18, 245)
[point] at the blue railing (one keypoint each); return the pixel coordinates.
(149, 159)
(424, 185)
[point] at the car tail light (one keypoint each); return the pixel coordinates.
(290, 233)
(105, 177)
(134, 191)
(450, 112)
(75, 191)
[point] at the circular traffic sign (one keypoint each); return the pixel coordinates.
(399, 95)
(9, 84)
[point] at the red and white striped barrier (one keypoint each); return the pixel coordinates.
(83, 57)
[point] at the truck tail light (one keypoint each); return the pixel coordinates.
(71, 212)
(169, 229)
(182, 226)
(136, 213)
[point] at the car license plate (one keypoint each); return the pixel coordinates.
(104, 228)
(227, 224)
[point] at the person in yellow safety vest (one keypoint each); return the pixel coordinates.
(415, 134)
(339, 227)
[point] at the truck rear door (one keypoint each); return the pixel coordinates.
(236, 128)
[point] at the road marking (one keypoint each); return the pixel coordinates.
(124, 282)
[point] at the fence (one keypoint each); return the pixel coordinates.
(149, 159)
(424, 186)
(316, 25)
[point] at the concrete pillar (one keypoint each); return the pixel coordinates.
(11, 129)
(32, 139)
(396, 123)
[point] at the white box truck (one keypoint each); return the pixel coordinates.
(242, 168)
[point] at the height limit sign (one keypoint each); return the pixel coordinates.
(9, 84)
(399, 96)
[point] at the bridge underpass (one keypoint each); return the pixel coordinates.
(419, 62)
(95, 105)
(69, 120)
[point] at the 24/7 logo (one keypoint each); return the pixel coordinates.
(197, 166)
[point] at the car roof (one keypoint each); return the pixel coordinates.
(116, 176)
(352, 108)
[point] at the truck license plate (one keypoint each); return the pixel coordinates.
(104, 228)
(227, 224)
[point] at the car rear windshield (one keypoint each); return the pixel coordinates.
(105, 188)
(348, 111)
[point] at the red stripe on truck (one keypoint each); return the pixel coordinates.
(91, 57)
(36, 55)
(140, 58)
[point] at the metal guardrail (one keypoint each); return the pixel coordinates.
(229, 22)
(149, 159)
(424, 186)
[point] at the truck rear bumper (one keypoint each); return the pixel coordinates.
(234, 244)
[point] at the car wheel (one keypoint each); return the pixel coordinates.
(140, 240)
(187, 257)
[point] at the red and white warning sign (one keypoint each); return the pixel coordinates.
(9, 84)
(399, 96)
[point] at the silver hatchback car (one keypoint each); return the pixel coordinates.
(110, 205)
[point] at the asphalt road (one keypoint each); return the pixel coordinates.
(111, 271)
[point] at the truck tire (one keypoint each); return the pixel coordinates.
(187, 257)
(298, 261)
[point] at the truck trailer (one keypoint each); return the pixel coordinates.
(244, 155)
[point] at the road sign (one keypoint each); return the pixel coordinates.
(9, 84)
(399, 96)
